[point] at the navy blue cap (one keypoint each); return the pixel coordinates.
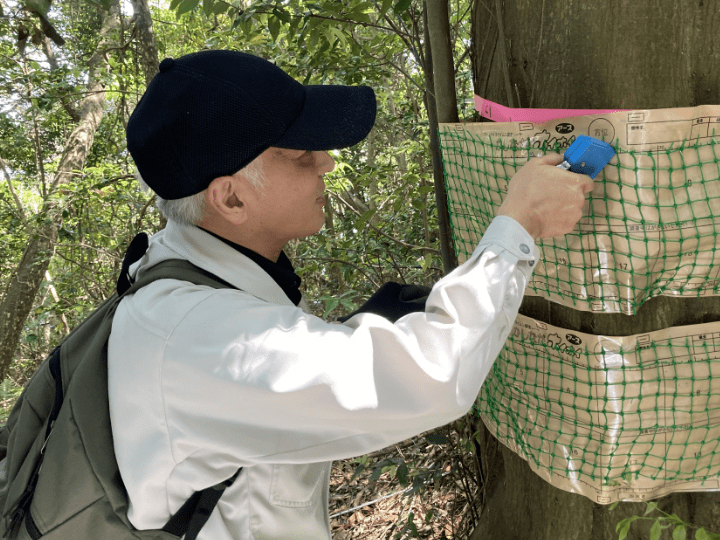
(210, 113)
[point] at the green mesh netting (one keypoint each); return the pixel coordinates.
(650, 226)
(613, 418)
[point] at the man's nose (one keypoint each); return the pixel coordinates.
(326, 163)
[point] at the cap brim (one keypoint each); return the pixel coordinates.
(332, 117)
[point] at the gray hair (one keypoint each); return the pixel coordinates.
(192, 210)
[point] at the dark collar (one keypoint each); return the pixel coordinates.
(282, 271)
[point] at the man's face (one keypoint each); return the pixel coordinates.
(291, 203)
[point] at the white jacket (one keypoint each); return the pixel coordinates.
(204, 381)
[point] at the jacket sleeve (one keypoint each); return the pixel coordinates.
(271, 383)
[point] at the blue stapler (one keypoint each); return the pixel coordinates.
(587, 156)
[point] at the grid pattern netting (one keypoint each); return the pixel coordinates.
(610, 412)
(650, 228)
(645, 411)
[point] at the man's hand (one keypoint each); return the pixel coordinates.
(545, 200)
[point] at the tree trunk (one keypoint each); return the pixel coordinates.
(438, 24)
(643, 54)
(146, 40)
(28, 277)
(431, 75)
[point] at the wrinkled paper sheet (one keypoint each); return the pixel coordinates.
(612, 418)
(649, 225)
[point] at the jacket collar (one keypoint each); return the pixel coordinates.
(178, 241)
(281, 271)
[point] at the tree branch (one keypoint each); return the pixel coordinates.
(50, 55)
(311, 15)
(339, 261)
(401, 34)
(21, 211)
(381, 233)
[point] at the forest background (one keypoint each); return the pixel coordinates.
(381, 220)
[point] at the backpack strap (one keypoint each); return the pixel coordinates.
(193, 515)
(137, 248)
(168, 269)
(178, 269)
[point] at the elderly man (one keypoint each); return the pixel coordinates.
(205, 381)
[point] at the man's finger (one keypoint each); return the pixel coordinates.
(551, 159)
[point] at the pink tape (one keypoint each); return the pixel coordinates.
(500, 113)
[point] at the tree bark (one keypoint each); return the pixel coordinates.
(26, 281)
(438, 23)
(146, 40)
(431, 75)
(574, 54)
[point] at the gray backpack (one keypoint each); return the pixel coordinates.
(59, 478)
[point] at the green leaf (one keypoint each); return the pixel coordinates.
(375, 476)
(274, 27)
(437, 438)
(314, 35)
(366, 215)
(679, 533)
(339, 36)
(186, 6)
(220, 7)
(655, 531)
(281, 14)
(700, 534)
(651, 507)
(403, 474)
(402, 6)
(208, 7)
(292, 28)
(614, 505)
(623, 529)
(418, 205)
(385, 6)
(359, 469)
(366, 7)
(625, 522)
(360, 13)
(331, 304)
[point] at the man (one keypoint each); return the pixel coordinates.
(204, 381)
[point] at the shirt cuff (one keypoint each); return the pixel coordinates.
(507, 233)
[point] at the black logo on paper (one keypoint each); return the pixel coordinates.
(564, 128)
(572, 338)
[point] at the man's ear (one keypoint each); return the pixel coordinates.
(224, 198)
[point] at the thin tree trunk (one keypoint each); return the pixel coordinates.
(446, 243)
(438, 23)
(145, 39)
(147, 49)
